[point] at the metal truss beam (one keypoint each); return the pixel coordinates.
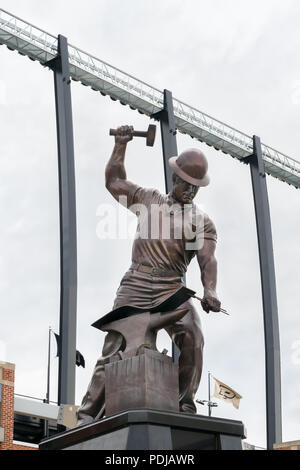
(38, 45)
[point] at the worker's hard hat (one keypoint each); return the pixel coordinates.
(191, 166)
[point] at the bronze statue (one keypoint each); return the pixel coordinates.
(159, 263)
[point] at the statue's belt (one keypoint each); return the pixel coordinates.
(160, 272)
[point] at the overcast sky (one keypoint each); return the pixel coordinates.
(237, 61)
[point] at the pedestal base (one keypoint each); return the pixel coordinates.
(151, 430)
(149, 380)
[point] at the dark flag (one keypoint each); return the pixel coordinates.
(79, 360)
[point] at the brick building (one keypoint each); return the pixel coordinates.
(7, 403)
(294, 445)
(25, 421)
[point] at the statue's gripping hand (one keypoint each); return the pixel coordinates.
(124, 134)
(211, 304)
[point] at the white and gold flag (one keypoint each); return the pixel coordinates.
(223, 392)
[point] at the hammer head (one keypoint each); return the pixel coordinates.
(151, 135)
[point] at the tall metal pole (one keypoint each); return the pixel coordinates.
(209, 396)
(169, 146)
(168, 136)
(46, 423)
(48, 368)
(268, 283)
(68, 243)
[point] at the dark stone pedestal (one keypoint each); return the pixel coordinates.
(146, 429)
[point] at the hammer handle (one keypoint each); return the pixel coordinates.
(134, 133)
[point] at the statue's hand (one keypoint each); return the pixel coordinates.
(124, 134)
(211, 303)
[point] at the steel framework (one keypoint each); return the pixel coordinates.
(269, 296)
(169, 147)
(38, 45)
(68, 229)
(69, 61)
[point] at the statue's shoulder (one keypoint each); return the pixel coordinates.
(204, 223)
(147, 195)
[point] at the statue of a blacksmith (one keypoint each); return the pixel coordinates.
(160, 257)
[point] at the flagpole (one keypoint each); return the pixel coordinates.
(46, 428)
(209, 395)
(209, 403)
(48, 375)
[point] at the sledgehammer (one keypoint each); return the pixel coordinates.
(149, 134)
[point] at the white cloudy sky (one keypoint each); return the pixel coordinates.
(237, 61)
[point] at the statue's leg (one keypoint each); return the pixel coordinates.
(94, 400)
(188, 337)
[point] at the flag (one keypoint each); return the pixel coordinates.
(79, 359)
(223, 392)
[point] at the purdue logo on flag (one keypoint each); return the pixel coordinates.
(223, 392)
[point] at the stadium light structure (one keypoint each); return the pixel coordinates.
(41, 46)
(69, 62)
